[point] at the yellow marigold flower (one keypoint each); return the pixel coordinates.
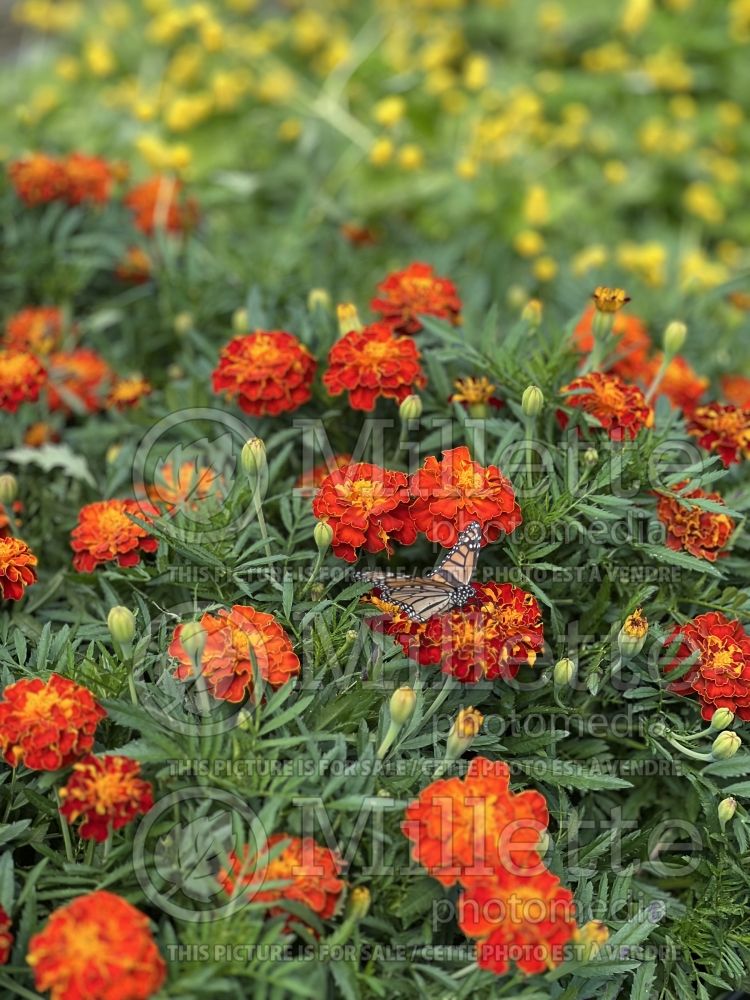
(545, 268)
(609, 300)
(68, 68)
(410, 157)
(473, 390)
(608, 58)
(466, 168)
(667, 70)
(635, 16)
(698, 272)
(276, 86)
(99, 57)
(184, 113)
(647, 260)
(730, 115)
(186, 66)
(700, 200)
(476, 71)
(615, 172)
(465, 728)
(528, 243)
(212, 36)
(389, 111)
(290, 130)
(309, 30)
(536, 206)
(589, 259)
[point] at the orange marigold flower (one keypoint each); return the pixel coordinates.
(268, 372)
(526, 918)
(451, 493)
(309, 481)
(6, 938)
(39, 179)
(736, 389)
(490, 637)
(681, 384)
(105, 532)
(37, 329)
(724, 430)
(135, 266)
(9, 519)
(40, 433)
(740, 300)
(474, 390)
(78, 379)
(367, 507)
(46, 725)
(99, 945)
(235, 641)
(21, 379)
(359, 236)
(105, 793)
(619, 408)
(464, 830)
(184, 486)
(128, 392)
(17, 568)
(609, 300)
(90, 178)
(630, 357)
(702, 533)
(300, 871)
(371, 363)
(160, 203)
(416, 291)
(720, 675)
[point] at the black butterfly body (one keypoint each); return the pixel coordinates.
(447, 586)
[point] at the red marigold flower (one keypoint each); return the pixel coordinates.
(98, 945)
(308, 482)
(128, 392)
(268, 372)
(90, 178)
(37, 330)
(359, 236)
(46, 725)
(184, 486)
(367, 507)
(21, 379)
(619, 408)
(39, 179)
(17, 571)
(6, 938)
(702, 533)
(105, 532)
(720, 677)
(682, 386)
(160, 203)
(490, 637)
(135, 266)
(300, 871)
(79, 378)
(105, 793)
(235, 641)
(452, 492)
(633, 343)
(416, 291)
(724, 430)
(371, 363)
(463, 830)
(526, 918)
(736, 389)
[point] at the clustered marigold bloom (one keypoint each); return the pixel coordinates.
(366, 506)
(475, 392)
(90, 178)
(98, 945)
(105, 532)
(104, 793)
(160, 203)
(609, 300)
(37, 329)
(80, 378)
(184, 486)
(681, 384)
(632, 348)
(302, 870)
(6, 938)
(75, 179)
(702, 533)
(46, 725)
(238, 642)
(373, 363)
(720, 677)
(17, 568)
(619, 408)
(416, 291)
(128, 392)
(736, 389)
(491, 636)
(724, 430)
(451, 492)
(311, 480)
(135, 266)
(268, 372)
(22, 378)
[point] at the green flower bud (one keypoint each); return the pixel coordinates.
(240, 321)
(532, 401)
(359, 902)
(532, 313)
(722, 719)
(121, 625)
(725, 746)
(253, 457)
(591, 456)
(193, 640)
(727, 809)
(565, 671)
(323, 535)
(318, 298)
(402, 705)
(465, 728)
(8, 489)
(411, 408)
(182, 323)
(632, 635)
(674, 338)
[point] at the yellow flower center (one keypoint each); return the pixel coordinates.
(377, 350)
(361, 493)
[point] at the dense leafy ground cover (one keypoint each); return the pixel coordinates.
(293, 290)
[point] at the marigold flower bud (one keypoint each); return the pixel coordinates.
(674, 338)
(8, 489)
(318, 298)
(532, 313)
(359, 902)
(411, 408)
(193, 640)
(725, 746)
(564, 672)
(253, 457)
(543, 845)
(517, 297)
(467, 724)
(121, 624)
(591, 456)
(726, 810)
(532, 401)
(722, 719)
(632, 635)
(402, 704)
(240, 321)
(323, 535)
(182, 323)
(590, 939)
(348, 318)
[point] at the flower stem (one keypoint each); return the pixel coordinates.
(65, 829)
(258, 503)
(658, 378)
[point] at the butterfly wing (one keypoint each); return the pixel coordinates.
(458, 565)
(422, 600)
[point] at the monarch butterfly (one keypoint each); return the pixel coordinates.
(447, 586)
